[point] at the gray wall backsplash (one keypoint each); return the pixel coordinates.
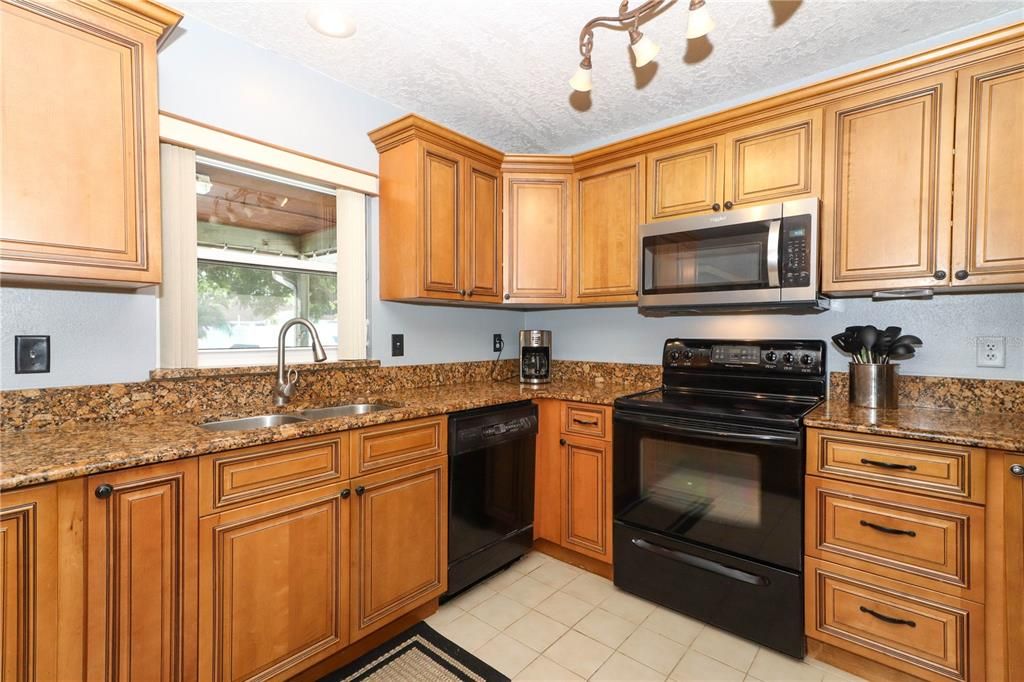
(948, 326)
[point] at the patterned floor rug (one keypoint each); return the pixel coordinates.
(418, 654)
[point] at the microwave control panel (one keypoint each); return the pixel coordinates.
(795, 268)
(771, 357)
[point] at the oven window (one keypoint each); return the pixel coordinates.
(715, 259)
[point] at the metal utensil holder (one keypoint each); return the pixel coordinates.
(873, 385)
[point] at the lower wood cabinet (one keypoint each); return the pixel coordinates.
(274, 579)
(141, 573)
(399, 542)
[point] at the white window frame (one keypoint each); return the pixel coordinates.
(181, 141)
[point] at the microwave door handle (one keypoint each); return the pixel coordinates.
(659, 425)
(773, 253)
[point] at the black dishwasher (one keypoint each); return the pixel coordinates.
(490, 490)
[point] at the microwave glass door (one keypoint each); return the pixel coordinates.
(712, 259)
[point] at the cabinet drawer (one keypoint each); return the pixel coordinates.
(379, 447)
(923, 633)
(952, 471)
(586, 420)
(936, 544)
(228, 479)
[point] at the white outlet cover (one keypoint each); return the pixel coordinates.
(991, 351)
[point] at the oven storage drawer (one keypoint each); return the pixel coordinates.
(929, 635)
(719, 589)
(951, 471)
(933, 543)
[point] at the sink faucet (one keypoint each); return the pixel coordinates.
(286, 382)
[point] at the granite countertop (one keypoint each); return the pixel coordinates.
(34, 456)
(997, 430)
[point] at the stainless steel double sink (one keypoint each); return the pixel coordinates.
(262, 421)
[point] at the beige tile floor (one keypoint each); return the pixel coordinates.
(542, 619)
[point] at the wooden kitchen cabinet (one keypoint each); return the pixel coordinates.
(888, 187)
(608, 207)
(141, 573)
(1005, 567)
(988, 201)
(685, 179)
(587, 496)
(399, 542)
(538, 243)
(80, 177)
(274, 585)
(440, 224)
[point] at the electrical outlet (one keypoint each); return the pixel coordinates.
(397, 345)
(498, 344)
(31, 354)
(991, 351)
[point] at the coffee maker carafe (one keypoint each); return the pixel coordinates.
(534, 356)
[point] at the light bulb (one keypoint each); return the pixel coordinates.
(329, 19)
(700, 22)
(645, 50)
(581, 81)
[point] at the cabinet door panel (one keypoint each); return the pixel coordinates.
(28, 578)
(1013, 532)
(537, 238)
(483, 235)
(442, 175)
(685, 179)
(142, 572)
(274, 585)
(586, 496)
(988, 217)
(400, 542)
(608, 211)
(888, 187)
(80, 173)
(777, 159)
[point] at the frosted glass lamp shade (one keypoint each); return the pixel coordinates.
(645, 50)
(581, 80)
(700, 22)
(331, 20)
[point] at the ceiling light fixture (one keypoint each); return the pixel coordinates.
(644, 49)
(329, 19)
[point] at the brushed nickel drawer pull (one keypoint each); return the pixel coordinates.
(586, 422)
(888, 619)
(888, 465)
(890, 531)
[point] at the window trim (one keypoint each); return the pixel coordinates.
(181, 140)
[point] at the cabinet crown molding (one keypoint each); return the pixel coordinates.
(415, 127)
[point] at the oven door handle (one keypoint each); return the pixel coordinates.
(663, 425)
(773, 253)
(701, 563)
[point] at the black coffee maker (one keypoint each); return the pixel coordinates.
(534, 356)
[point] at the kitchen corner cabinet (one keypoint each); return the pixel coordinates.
(80, 177)
(440, 222)
(771, 160)
(1005, 565)
(608, 207)
(988, 174)
(537, 234)
(141, 573)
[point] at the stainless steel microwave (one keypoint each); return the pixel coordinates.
(761, 257)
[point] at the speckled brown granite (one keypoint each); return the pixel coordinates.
(198, 372)
(946, 393)
(217, 394)
(614, 372)
(31, 456)
(997, 430)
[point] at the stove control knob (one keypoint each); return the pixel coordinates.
(788, 358)
(806, 359)
(687, 355)
(771, 356)
(673, 355)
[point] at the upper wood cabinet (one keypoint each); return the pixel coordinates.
(778, 158)
(888, 187)
(80, 175)
(274, 582)
(537, 237)
(440, 222)
(608, 207)
(988, 201)
(141, 573)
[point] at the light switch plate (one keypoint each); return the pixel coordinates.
(31, 354)
(397, 345)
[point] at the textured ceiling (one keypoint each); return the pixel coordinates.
(498, 70)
